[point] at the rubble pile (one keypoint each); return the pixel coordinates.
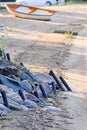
(21, 90)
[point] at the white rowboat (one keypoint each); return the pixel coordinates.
(30, 12)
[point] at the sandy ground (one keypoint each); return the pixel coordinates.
(36, 45)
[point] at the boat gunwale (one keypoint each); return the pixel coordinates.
(18, 13)
(34, 7)
(32, 14)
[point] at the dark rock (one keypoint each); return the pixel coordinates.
(30, 104)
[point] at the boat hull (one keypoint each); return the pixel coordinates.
(48, 15)
(30, 16)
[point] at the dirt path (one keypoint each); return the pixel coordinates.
(77, 73)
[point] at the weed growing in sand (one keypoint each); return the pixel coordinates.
(54, 96)
(69, 34)
(2, 47)
(2, 52)
(15, 60)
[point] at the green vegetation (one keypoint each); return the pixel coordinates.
(2, 47)
(69, 34)
(15, 60)
(76, 2)
(2, 52)
(53, 96)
